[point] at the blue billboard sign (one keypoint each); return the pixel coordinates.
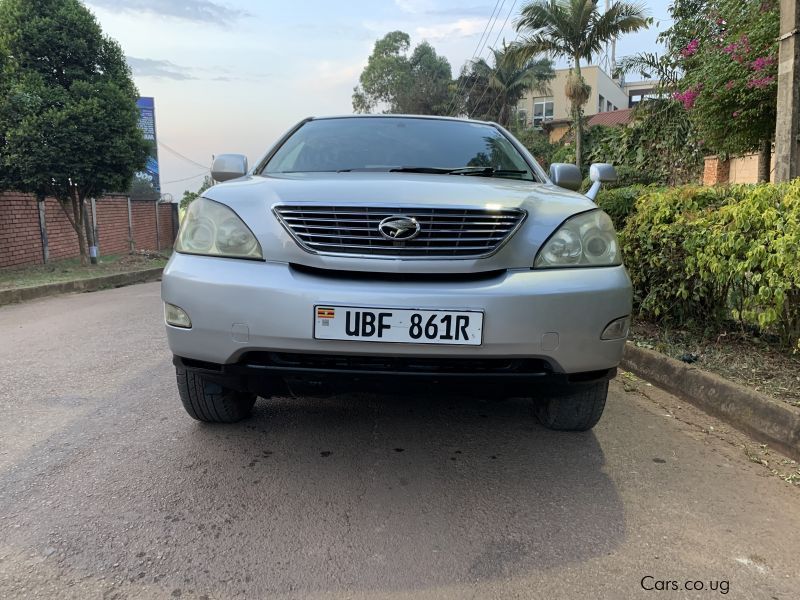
(147, 123)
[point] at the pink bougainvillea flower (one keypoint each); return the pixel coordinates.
(738, 50)
(762, 62)
(691, 48)
(761, 82)
(730, 85)
(735, 114)
(688, 97)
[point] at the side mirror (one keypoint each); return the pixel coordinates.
(566, 176)
(600, 173)
(229, 166)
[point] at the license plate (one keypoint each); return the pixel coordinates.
(409, 326)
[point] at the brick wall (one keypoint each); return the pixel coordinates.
(144, 215)
(112, 225)
(744, 169)
(715, 170)
(738, 169)
(20, 240)
(20, 237)
(61, 237)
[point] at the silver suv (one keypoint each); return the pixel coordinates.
(366, 251)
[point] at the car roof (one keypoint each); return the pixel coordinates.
(400, 116)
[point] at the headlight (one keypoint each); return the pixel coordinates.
(585, 240)
(213, 229)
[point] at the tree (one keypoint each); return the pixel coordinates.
(416, 84)
(68, 116)
(663, 67)
(4, 93)
(730, 74)
(575, 30)
(189, 197)
(493, 91)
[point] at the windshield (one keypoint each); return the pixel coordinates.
(397, 143)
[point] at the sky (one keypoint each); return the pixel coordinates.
(233, 75)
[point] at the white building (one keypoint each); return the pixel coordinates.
(607, 95)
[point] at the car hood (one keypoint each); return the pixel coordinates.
(546, 206)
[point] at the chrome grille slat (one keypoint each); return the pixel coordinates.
(401, 248)
(390, 210)
(381, 239)
(379, 216)
(444, 232)
(372, 229)
(508, 223)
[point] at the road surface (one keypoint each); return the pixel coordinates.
(109, 490)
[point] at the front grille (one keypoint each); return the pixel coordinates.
(444, 232)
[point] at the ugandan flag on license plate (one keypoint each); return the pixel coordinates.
(325, 313)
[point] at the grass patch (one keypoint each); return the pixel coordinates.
(736, 355)
(71, 269)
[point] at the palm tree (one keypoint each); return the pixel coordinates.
(575, 30)
(506, 83)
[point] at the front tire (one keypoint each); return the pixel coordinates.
(579, 408)
(211, 402)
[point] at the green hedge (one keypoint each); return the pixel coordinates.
(619, 202)
(703, 255)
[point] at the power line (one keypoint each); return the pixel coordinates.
(179, 155)
(185, 178)
(491, 29)
(499, 33)
(495, 23)
(452, 105)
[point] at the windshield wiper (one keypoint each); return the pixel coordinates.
(492, 172)
(475, 171)
(433, 170)
(479, 171)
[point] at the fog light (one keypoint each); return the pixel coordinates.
(176, 316)
(617, 329)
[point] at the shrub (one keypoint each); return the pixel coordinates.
(619, 202)
(752, 249)
(657, 242)
(564, 153)
(538, 144)
(700, 255)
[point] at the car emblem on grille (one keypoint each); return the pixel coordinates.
(399, 228)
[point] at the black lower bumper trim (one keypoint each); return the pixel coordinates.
(275, 373)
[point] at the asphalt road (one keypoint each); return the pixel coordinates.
(109, 490)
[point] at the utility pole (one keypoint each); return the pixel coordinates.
(787, 126)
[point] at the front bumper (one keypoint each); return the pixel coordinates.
(238, 307)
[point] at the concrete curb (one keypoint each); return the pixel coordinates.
(81, 285)
(772, 422)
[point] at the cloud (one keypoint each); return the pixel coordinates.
(164, 69)
(158, 69)
(204, 11)
(326, 75)
(423, 7)
(412, 6)
(459, 28)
